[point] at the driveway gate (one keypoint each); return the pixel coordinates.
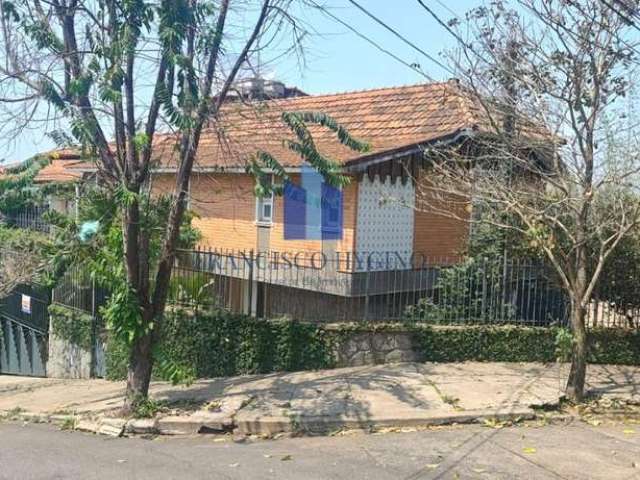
(24, 325)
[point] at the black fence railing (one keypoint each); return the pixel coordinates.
(338, 289)
(28, 305)
(438, 291)
(32, 218)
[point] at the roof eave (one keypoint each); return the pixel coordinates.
(362, 163)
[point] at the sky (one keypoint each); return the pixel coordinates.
(337, 59)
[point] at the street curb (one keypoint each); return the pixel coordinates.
(250, 423)
(257, 423)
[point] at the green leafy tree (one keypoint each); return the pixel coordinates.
(122, 69)
(17, 189)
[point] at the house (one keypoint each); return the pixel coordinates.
(379, 230)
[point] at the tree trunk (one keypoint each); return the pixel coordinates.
(139, 373)
(575, 383)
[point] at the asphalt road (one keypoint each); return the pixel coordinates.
(574, 451)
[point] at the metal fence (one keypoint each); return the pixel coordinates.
(32, 218)
(24, 325)
(322, 289)
(78, 290)
(438, 291)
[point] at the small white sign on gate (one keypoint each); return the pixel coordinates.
(26, 304)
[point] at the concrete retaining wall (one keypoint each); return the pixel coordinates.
(374, 347)
(67, 360)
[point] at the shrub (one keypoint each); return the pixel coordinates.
(482, 343)
(219, 343)
(72, 325)
(196, 289)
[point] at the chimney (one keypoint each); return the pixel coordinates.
(257, 88)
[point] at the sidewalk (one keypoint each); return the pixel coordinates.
(408, 394)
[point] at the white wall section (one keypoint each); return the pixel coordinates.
(385, 222)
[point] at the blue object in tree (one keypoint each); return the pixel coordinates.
(88, 230)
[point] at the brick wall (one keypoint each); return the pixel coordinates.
(437, 235)
(225, 205)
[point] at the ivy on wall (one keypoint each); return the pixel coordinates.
(71, 325)
(522, 344)
(219, 344)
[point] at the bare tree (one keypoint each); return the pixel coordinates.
(554, 156)
(17, 268)
(112, 72)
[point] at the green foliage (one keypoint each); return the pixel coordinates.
(219, 344)
(17, 190)
(489, 241)
(123, 315)
(146, 408)
(102, 256)
(488, 344)
(37, 247)
(471, 291)
(171, 370)
(426, 311)
(303, 145)
(614, 346)
(621, 275)
(223, 344)
(23, 240)
(72, 325)
(116, 359)
(564, 344)
(172, 113)
(523, 344)
(195, 289)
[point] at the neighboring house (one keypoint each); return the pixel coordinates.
(376, 214)
(26, 213)
(59, 170)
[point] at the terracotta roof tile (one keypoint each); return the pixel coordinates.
(60, 168)
(386, 118)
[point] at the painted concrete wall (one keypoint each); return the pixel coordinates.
(385, 220)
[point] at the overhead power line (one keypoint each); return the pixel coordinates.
(623, 16)
(451, 31)
(444, 24)
(369, 40)
(446, 7)
(627, 8)
(401, 37)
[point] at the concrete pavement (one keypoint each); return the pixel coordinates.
(574, 451)
(409, 394)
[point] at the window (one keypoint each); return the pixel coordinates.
(264, 208)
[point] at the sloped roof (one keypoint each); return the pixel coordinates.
(389, 119)
(61, 167)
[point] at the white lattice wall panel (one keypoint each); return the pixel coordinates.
(385, 218)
